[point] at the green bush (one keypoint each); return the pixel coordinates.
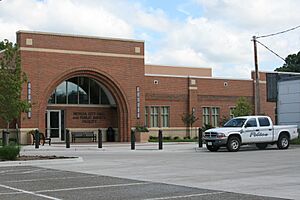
(9, 152)
(176, 138)
(167, 138)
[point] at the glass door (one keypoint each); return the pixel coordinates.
(54, 125)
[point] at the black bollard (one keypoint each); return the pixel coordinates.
(67, 138)
(37, 138)
(200, 142)
(5, 138)
(160, 140)
(132, 139)
(99, 138)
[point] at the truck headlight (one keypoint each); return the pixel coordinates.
(221, 135)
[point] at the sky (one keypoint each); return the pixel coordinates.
(190, 33)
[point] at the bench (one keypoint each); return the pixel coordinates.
(83, 135)
(43, 139)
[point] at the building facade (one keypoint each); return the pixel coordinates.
(84, 83)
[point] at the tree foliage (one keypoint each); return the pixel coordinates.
(292, 64)
(243, 108)
(11, 81)
(189, 119)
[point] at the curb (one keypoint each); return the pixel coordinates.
(40, 162)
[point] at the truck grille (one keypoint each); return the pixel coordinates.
(210, 134)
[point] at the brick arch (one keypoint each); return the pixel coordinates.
(105, 79)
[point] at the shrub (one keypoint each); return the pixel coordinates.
(9, 152)
(187, 137)
(167, 138)
(176, 138)
(153, 137)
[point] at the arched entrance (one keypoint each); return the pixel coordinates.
(108, 83)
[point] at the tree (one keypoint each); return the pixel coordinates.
(243, 108)
(292, 64)
(188, 119)
(11, 81)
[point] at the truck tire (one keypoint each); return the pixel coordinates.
(283, 142)
(212, 148)
(261, 145)
(233, 144)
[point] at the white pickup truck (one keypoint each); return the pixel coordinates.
(257, 130)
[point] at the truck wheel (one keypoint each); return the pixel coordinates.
(212, 148)
(283, 142)
(233, 144)
(261, 145)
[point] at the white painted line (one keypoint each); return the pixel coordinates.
(92, 187)
(11, 170)
(28, 192)
(45, 179)
(26, 172)
(185, 196)
(10, 193)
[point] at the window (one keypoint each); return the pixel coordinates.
(146, 116)
(231, 115)
(154, 116)
(84, 90)
(215, 112)
(72, 88)
(251, 123)
(61, 93)
(79, 90)
(164, 113)
(263, 121)
(206, 116)
(94, 92)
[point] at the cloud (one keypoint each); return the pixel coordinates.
(63, 16)
(214, 33)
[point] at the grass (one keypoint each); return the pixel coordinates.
(296, 141)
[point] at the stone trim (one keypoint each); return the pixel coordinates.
(88, 53)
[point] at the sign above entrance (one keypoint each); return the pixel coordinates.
(88, 117)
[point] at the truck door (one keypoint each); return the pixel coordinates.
(265, 129)
(250, 131)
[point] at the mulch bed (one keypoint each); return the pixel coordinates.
(26, 158)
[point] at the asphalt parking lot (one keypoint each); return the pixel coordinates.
(180, 170)
(29, 182)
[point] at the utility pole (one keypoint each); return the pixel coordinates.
(256, 91)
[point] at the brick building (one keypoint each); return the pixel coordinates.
(84, 83)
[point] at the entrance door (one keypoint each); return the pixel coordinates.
(54, 125)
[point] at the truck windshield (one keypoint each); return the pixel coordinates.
(235, 122)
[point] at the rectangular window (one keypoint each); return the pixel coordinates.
(215, 112)
(205, 116)
(164, 113)
(154, 116)
(146, 116)
(231, 115)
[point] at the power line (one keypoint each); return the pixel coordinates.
(273, 34)
(270, 50)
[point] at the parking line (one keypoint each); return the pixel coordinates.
(28, 192)
(185, 196)
(92, 187)
(45, 179)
